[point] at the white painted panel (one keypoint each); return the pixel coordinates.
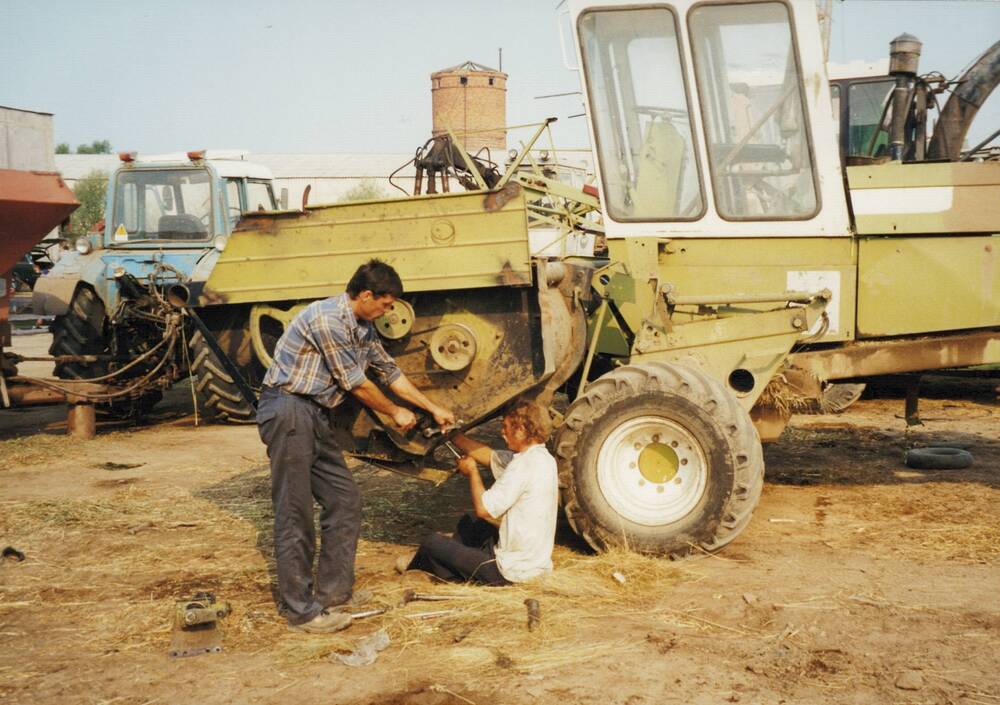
(814, 281)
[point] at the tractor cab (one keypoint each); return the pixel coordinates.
(860, 101)
(166, 201)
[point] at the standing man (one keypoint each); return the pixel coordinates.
(523, 502)
(321, 358)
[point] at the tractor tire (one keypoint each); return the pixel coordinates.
(220, 397)
(82, 331)
(659, 458)
(838, 396)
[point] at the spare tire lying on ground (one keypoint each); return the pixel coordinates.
(938, 458)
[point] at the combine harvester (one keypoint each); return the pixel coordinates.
(746, 268)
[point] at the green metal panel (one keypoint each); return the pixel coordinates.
(719, 267)
(926, 198)
(927, 284)
(445, 241)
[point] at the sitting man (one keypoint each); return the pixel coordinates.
(523, 502)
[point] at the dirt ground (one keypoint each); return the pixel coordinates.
(858, 581)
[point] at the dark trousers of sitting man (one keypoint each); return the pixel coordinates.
(468, 556)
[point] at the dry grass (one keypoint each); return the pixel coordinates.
(931, 521)
(111, 569)
(30, 450)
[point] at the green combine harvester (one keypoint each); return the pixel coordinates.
(743, 268)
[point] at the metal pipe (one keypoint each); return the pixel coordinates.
(904, 57)
(797, 297)
(593, 347)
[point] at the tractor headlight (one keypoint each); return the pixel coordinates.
(83, 245)
(220, 242)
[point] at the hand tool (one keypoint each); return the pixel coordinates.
(414, 596)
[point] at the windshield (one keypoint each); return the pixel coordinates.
(751, 96)
(639, 105)
(174, 204)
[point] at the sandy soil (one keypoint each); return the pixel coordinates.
(858, 581)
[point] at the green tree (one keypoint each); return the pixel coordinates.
(364, 190)
(91, 192)
(95, 147)
(62, 148)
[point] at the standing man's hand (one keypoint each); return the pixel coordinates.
(442, 416)
(467, 466)
(404, 418)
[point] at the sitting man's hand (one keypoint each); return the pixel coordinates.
(467, 466)
(442, 416)
(404, 418)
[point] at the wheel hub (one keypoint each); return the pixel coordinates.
(652, 471)
(658, 463)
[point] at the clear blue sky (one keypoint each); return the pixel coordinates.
(338, 76)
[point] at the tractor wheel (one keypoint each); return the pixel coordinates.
(219, 395)
(659, 458)
(82, 331)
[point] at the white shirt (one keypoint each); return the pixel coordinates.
(525, 498)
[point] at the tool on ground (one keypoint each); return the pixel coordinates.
(534, 613)
(196, 625)
(11, 552)
(414, 596)
(367, 613)
(431, 615)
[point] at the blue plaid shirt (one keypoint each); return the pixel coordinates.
(325, 352)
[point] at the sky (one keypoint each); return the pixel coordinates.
(351, 76)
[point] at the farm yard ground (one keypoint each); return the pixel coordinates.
(858, 581)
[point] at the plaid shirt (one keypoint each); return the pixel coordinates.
(325, 352)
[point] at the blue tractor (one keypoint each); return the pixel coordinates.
(166, 221)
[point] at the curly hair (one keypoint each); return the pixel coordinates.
(530, 418)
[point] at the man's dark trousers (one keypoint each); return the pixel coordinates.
(306, 464)
(469, 556)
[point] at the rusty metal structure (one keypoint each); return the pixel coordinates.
(31, 204)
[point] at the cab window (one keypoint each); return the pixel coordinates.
(162, 205)
(235, 209)
(752, 106)
(259, 197)
(635, 78)
(866, 103)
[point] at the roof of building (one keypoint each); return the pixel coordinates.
(282, 166)
(24, 110)
(468, 66)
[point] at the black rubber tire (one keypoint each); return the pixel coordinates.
(693, 401)
(80, 331)
(938, 458)
(219, 395)
(839, 396)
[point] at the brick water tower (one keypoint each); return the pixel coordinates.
(471, 100)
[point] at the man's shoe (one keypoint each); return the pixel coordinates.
(403, 562)
(360, 598)
(325, 622)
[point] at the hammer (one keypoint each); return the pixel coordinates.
(414, 596)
